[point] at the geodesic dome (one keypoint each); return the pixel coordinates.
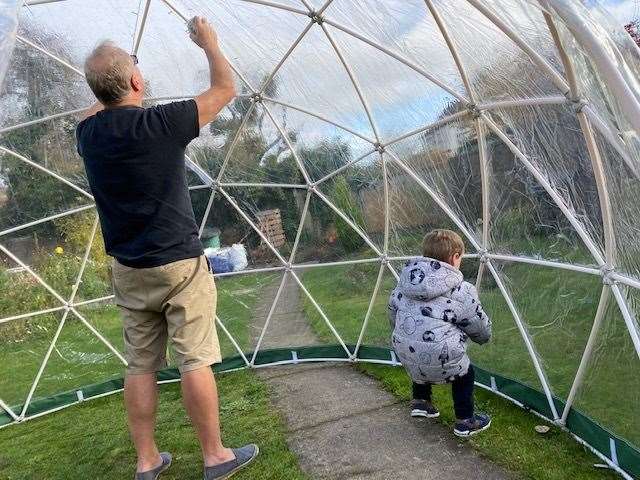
(359, 125)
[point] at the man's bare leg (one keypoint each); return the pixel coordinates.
(200, 396)
(141, 402)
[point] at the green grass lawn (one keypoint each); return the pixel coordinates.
(91, 441)
(511, 441)
(95, 442)
(81, 359)
(558, 308)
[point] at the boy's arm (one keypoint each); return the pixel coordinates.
(474, 321)
(392, 310)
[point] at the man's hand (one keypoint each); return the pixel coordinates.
(202, 33)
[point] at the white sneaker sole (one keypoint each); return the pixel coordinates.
(470, 433)
(423, 414)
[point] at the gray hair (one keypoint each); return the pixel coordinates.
(108, 72)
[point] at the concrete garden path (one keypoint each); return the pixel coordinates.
(343, 426)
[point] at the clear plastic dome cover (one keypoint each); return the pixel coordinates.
(359, 126)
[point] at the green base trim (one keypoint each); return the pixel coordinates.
(598, 437)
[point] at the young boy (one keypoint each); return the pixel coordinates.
(433, 312)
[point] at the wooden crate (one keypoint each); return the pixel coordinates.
(270, 223)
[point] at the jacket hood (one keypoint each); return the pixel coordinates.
(425, 278)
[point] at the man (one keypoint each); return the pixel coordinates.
(134, 158)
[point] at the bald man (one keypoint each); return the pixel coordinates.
(135, 163)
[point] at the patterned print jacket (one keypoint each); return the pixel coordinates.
(433, 312)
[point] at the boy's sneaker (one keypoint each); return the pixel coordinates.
(471, 426)
(422, 408)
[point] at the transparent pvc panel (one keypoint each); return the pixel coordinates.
(25, 341)
(54, 250)
(255, 37)
(343, 293)
(51, 145)
(560, 326)
(38, 85)
(164, 39)
(512, 74)
(243, 306)
(310, 79)
(55, 26)
(524, 219)
(405, 101)
(199, 201)
(613, 370)
(623, 184)
(527, 19)
(28, 194)
(277, 212)
(96, 276)
(359, 193)
(327, 237)
(9, 19)
(322, 147)
(105, 317)
(590, 83)
(290, 325)
(20, 293)
(506, 353)
(79, 358)
(565, 164)
(446, 159)
(405, 28)
(413, 212)
(261, 153)
(215, 141)
(52, 87)
(227, 221)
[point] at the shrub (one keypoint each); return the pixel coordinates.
(348, 204)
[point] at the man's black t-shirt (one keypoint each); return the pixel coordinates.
(134, 158)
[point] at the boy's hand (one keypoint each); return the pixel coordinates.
(202, 33)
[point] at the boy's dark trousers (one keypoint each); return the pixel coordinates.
(461, 390)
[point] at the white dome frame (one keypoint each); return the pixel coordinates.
(589, 120)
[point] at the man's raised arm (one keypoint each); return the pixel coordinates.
(222, 89)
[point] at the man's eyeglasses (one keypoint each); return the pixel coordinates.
(135, 59)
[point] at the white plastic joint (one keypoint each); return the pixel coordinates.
(579, 104)
(315, 17)
(256, 97)
(380, 148)
(475, 110)
(483, 256)
(607, 271)
(384, 259)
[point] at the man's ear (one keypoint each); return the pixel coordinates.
(137, 83)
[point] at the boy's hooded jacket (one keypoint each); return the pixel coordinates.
(433, 312)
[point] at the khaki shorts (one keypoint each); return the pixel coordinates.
(176, 301)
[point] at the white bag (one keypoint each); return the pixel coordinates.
(238, 257)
